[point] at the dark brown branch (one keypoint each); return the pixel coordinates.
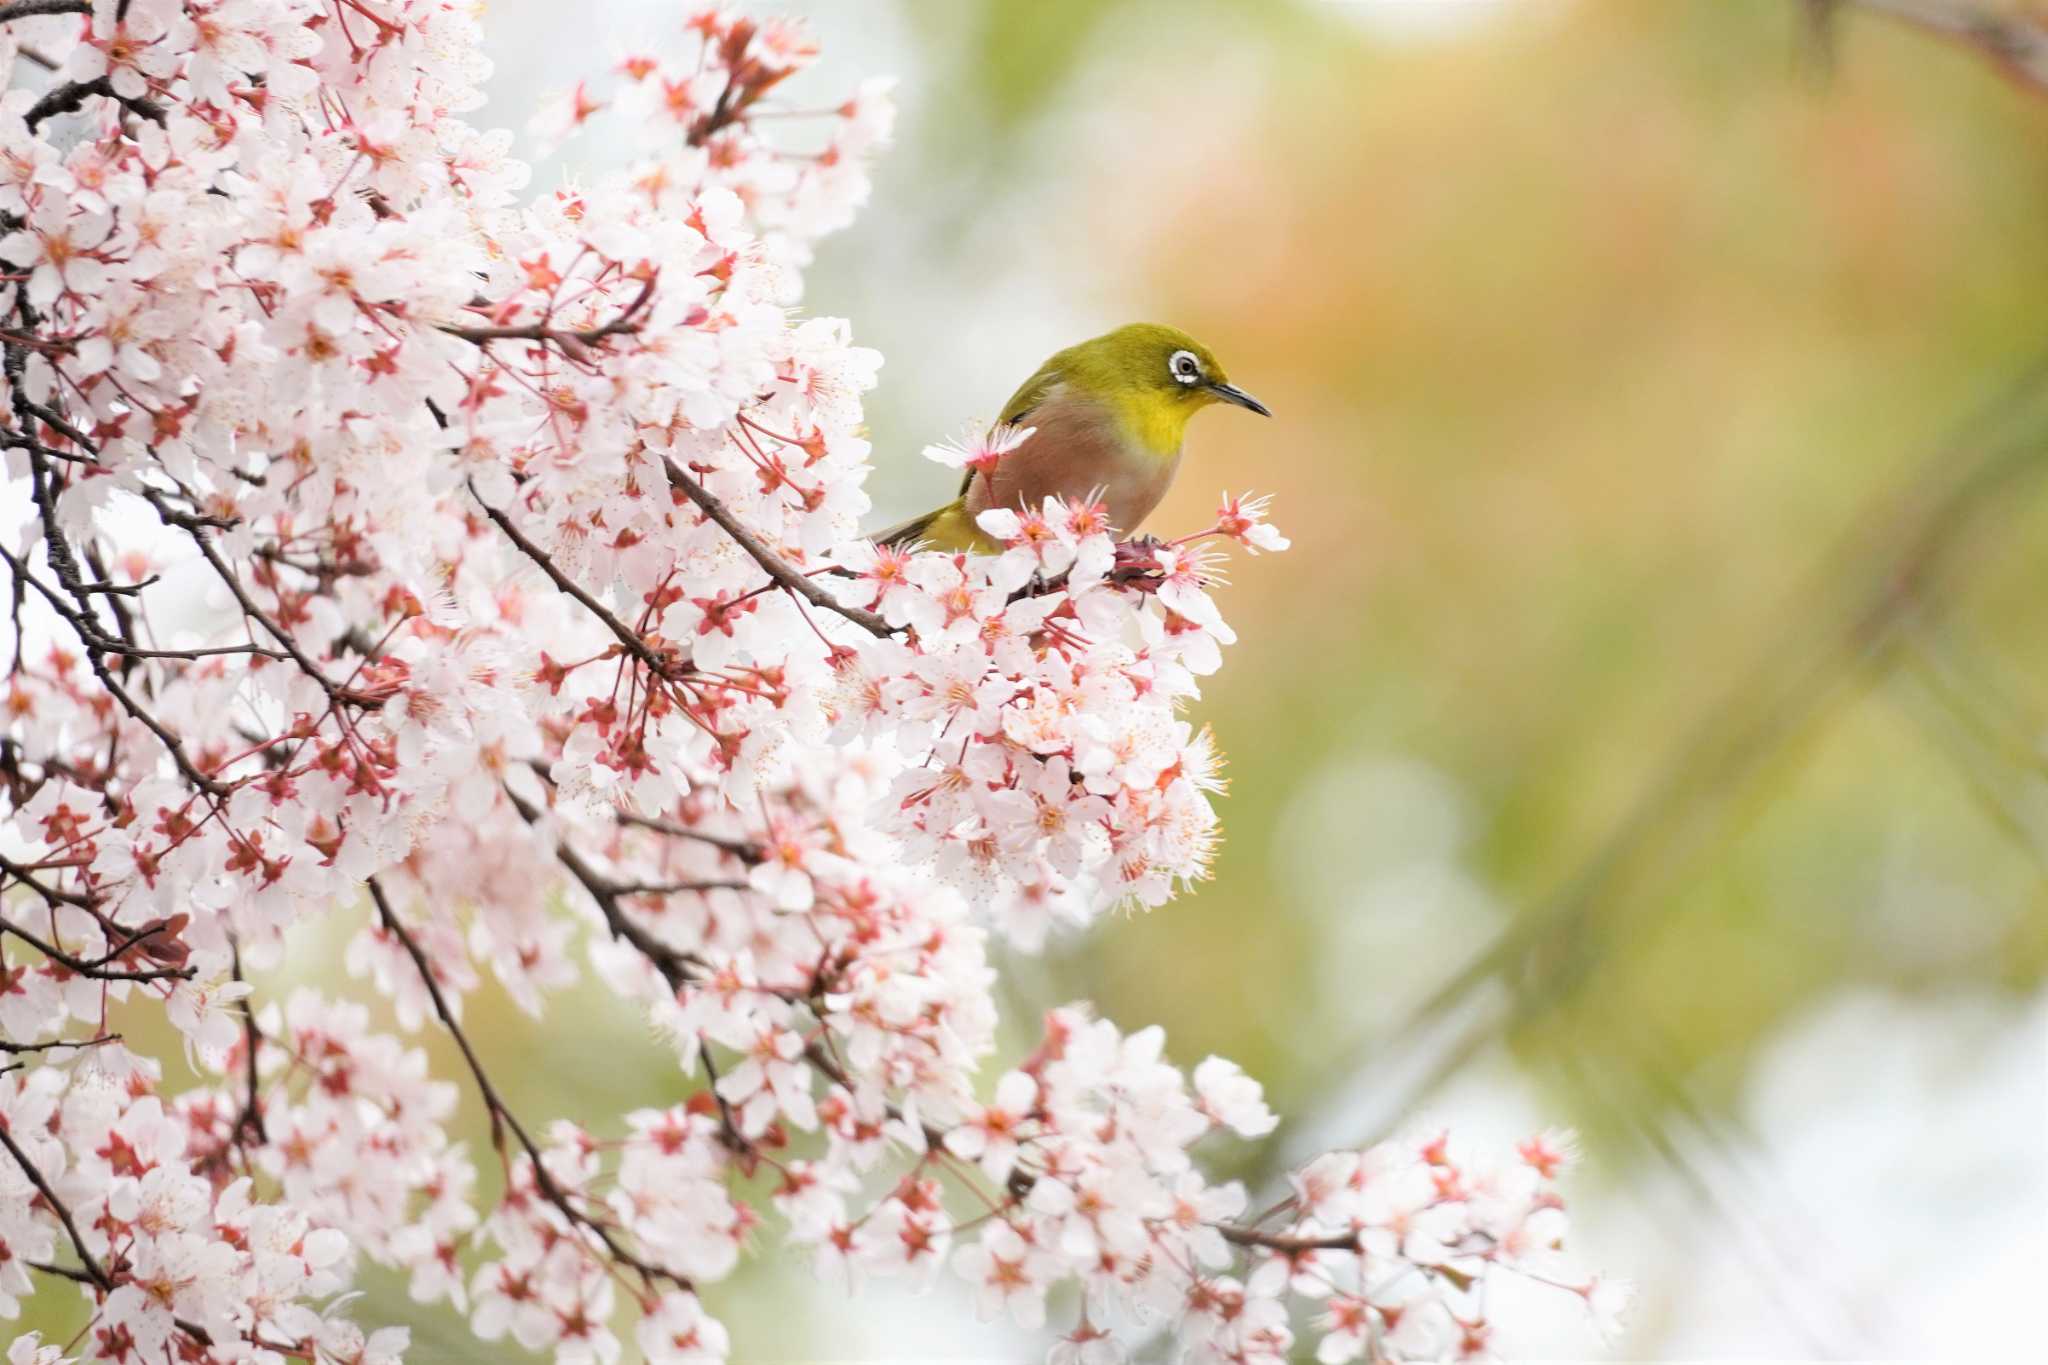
(65, 1272)
(129, 937)
(197, 527)
(55, 421)
(17, 441)
(749, 80)
(503, 1120)
(250, 1120)
(56, 1043)
(98, 971)
(661, 664)
(48, 893)
(677, 888)
(71, 97)
(676, 967)
(35, 1177)
(1135, 566)
(97, 650)
(777, 568)
(625, 324)
(81, 617)
(191, 1329)
(1240, 1235)
(124, 620)
(2015, 45)
(728, 1122)
(31, 9)
(746, 850)
(123, 646)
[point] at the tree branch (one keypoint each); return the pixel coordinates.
(678, 888)
(56, 1043)
(31, 9)
(778, 568)
(663, 666)
(1240, 1235)
(197, 527)
(96, 970)
(71, 97)
(746, 850)
(675, 966)
(625, 324)
(35, 1177)
(251, 1118)
(2016, 46)
(502, 1117)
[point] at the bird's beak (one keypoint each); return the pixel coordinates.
(1231, 393)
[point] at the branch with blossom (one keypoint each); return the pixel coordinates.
(2013, 39)
(484, 570)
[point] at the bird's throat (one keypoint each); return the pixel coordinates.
(1153, 425)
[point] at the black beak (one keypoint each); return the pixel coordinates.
(1231, 393)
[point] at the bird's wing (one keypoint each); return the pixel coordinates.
(1031, 394)
(1021, 403)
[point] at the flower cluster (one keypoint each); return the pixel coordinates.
(1033, 699)
(174, 1244)
(484, 569)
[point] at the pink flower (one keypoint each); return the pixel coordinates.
(502, 608)
(991, 1135)
(679, 1332)
(1242, 518)
(1232, 1098)
(980, 447)
(59, 254)
(1008, 1275)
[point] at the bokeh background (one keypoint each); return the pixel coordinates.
(1646, 731)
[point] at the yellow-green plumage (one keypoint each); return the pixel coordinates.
(1107, 417)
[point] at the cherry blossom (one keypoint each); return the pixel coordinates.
(981, 447)
(475, 572)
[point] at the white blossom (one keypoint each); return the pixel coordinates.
(484, 568)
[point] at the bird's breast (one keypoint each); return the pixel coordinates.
(1078, 447)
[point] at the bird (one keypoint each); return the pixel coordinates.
(1106, 419)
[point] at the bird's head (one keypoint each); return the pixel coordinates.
(1159, 376)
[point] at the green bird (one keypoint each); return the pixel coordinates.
(1107, 418)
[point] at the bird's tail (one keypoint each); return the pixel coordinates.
(950, 528)
(908, 532)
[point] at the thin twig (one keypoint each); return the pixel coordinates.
(777, 568)
(677, 968)
(746, 850)
(55, 1043)
(89, 969)
(679, 888)
(35, 1177)
(2016, 46)
(664, 665)
(197, 527)
(503, 1120)
(625, 324)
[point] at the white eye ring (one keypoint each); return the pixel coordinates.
(1184, 368)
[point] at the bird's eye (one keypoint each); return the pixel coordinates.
(1184, 367)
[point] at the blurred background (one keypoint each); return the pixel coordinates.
(1646, 731)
